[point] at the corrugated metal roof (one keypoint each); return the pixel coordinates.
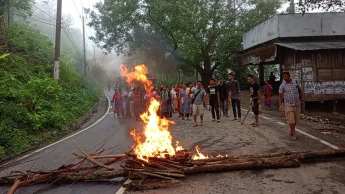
(309, 46)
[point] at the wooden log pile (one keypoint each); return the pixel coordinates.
(151, 173)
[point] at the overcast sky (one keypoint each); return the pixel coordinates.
(74, 8)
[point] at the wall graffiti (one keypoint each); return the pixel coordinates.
(307, 73)
(334, 87)
(296, 75)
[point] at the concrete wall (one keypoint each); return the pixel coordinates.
(295, 25)
(261, 33)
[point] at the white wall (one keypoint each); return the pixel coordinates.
(295, 25)
(261, 33)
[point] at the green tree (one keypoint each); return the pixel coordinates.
(199, 34)
(304, 6)
(8, 6)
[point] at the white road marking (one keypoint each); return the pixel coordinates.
(304, 133)
(50, 145)
(318, 139)
(266, 118)
(280, 123)
(122, 189)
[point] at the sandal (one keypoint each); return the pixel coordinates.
(256, 125)
(253, 124)
(201, 124)
(293, 138)
(195, 125)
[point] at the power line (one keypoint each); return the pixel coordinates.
(82, 9)
(81, 3)
(41, 21)
(76, 8)
(71, 40)
(43, 11)
(69, 36)
(65, 29)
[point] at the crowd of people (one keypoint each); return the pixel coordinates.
(191, 99)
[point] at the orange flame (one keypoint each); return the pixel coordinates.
(155, 140)
(198, 155)
(139, 74)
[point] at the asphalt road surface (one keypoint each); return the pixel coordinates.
(226, 137)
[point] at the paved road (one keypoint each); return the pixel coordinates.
(115, 133)
(230, 137)
(227, 137)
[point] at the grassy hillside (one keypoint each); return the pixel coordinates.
(33, 106)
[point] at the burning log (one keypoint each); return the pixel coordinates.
(167, 169)
(250, 165)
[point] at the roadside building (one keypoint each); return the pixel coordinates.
(310, 46)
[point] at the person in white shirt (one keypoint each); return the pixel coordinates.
(173, 99)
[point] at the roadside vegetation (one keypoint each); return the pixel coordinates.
(35, 108)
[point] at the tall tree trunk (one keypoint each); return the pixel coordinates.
(8, 7)
(206, 73)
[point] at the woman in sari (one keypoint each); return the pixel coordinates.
(178, 107)
(173, 99)
(268, 94)
(165, 102)
(185, 107)
(117, 101)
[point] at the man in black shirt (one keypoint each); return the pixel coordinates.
(213, 96)
(234, 94)
(223, 96)
(255, 99)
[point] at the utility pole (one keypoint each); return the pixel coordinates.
(57, 41)
(292, 6)
(94, 54)
(85, 65)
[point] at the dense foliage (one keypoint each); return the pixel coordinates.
(35, 107)
(200, 35)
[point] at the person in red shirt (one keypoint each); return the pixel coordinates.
(177, 90)
(117, 101)
(137, 103)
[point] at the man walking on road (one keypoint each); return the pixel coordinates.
(255, 99)
(198, 103)
(213, 97)
(234, 95)
(223, 95)
(293, 98)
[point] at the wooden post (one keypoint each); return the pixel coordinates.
(261, 75)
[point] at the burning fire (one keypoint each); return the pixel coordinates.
(199, 155)
(139, 74)
(155, 140)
